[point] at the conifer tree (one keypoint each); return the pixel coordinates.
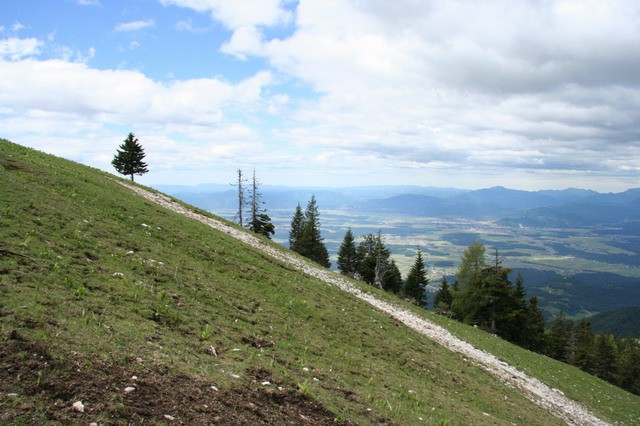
(382, 255)
(488, 300)
(392, 280)
(297, 225)
(518, 318)
(628, 365)
(471, 265)
(604, 357)
(584, 338)
(374, 259)
(534, 339)
(242, 200)
(443, 298)
(557, 337)
(348, 259)
(416, 282)
(129, 156)
(367, 250)
(498, 300)
(259, 220)
(310, 243)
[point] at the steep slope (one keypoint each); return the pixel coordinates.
(99, 286)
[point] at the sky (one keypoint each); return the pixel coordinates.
(527, 94)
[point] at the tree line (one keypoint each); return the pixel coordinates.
(611, 358)
(370, 261)
(482, 295)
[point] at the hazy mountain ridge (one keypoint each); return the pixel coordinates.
(509, 207)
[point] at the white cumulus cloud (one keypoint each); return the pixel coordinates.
(134, 25)
(18, 48)
(235, 14)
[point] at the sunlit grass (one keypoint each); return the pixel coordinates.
(115, 277)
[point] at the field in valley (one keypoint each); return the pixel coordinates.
(580, 271)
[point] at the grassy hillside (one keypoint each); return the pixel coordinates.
(102, 292)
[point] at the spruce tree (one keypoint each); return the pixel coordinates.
(535, 327)
(416, 282)
(605, 357)
(584, 338)
(348, 259)
(367, 254)
(375, 262)
(128, 159)
(297, 225)
(488, 301)
(443, 298)
(392, 280)
(520, 315)
(311, 244)
(557, 337)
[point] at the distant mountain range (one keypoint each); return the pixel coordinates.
(507, 207)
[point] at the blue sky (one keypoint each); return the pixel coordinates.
(524, 94)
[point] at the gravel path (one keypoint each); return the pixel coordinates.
(551, 399)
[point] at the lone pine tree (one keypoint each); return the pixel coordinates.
(128, 160)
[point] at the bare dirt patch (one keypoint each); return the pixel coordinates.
(42, 389)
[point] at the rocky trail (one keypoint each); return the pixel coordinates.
(551, 399)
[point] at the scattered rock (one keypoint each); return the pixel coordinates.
(117, 275)
(134, 377)
(129, 389)
(213, 388)
(78, 406)
(266, 383)
(130, 252)
(144, 225)
(168, 417)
